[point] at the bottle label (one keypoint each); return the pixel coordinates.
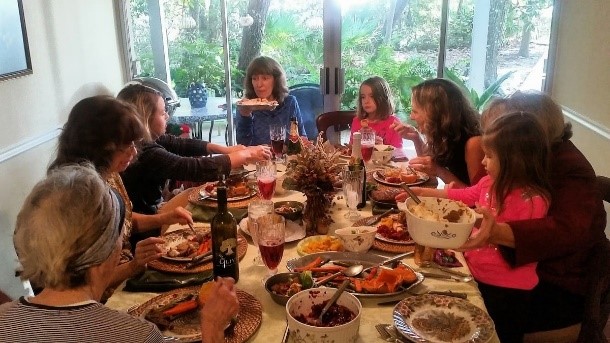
(228, 251)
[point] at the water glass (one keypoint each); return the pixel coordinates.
(266, 172)
(271, 239)
(278, 136)
(352, 191)
(257, 209)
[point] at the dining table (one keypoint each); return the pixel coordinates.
(273, 323)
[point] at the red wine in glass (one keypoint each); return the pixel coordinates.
(266, 187)
(278, 147)
(271, 252)
(367, 152)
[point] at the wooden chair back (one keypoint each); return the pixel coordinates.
(338, 120)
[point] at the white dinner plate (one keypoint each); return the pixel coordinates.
(421, 178)
(294, 231)
(393, 241)
(178, 236)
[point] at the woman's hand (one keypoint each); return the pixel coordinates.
(148, 250)
(178, 215)
(482, 237)
(250, 154)
(244, 111)
(221, 306)
(213, 148)
(406, 131)
(424, 164)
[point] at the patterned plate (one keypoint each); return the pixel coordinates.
(212, 196)
(387, 244)
(441, 319)
(174, 238)
(180, 267)
(421, 178)
(187, 328)
(332, 242)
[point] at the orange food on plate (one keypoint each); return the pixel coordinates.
(204, 292)
(326, 243)
(408, 178)
(388, 280)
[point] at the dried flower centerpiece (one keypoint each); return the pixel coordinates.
(314, 172)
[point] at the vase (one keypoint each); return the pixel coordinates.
(316, 213)
(197, 94)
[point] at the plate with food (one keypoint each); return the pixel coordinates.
(374, 281)
(257, 104)
(235, 191)
(183, 245)
(439, 318)
(176, 314)
(393, 229)
(395, 176)
(319, 243)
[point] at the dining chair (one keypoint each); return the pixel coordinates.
(311, 104)
(338, 121)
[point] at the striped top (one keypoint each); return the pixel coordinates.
(22, 321)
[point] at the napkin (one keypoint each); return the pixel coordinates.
(205, 214)
(155, 281)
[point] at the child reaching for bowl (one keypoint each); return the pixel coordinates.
(516, 188)
(375, 110)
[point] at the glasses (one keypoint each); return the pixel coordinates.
(129, 148)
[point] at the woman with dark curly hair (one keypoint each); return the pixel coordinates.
(265, 79)
(451, 144)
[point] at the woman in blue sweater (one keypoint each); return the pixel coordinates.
(265, 79)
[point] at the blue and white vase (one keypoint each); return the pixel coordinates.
(197, 94)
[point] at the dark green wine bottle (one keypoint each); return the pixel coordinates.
(224, 238)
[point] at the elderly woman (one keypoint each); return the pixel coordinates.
(70, 253)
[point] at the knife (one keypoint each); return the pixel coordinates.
(447, 293)
(199, 260)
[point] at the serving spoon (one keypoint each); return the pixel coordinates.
(411, 193)
(350, 271)
(334, 298)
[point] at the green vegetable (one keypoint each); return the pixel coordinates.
(390, 148)
(306, 279)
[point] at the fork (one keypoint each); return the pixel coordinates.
(383, 332)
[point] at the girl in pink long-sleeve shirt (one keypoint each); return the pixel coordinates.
(516, 187)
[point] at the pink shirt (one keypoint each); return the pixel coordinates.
(487, 264)
(382, 129)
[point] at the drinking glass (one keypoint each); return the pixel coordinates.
(278, 136)
(352, 191)
(266, 178)
(271, 233)
(257, 209)
(367, 143)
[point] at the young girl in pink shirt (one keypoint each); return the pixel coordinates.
(516, 188)
(375, 106)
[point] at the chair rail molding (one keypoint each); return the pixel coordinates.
(28, 144)
(587, 122)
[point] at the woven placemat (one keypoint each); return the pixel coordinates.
(180, 267)
(194, 199)
(249, 317)
(386, 246)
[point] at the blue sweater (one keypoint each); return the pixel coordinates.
(254, 130)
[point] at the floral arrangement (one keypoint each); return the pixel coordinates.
(314, 172)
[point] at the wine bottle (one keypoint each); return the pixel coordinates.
(224, 238)
(357, 163)
(293, 146)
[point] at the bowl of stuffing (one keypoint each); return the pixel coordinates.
(291, 210)
(282, 286)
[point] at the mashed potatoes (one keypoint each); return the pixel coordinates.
(448, 216)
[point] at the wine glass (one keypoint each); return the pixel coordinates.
(352, 191)
(278, 136)
(257, 209)
(266, 178)
(367, 143)
(271, 237)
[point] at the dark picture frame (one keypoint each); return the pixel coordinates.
(14, 49)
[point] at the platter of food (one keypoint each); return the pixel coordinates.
(236, 191)
(374, 281)
(395, 176)
(293, 231)
(319, 243)
(439, 318)
(176, 314)
(393, 229)
(183, 245)
(257, 104)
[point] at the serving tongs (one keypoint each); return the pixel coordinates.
(374, 219)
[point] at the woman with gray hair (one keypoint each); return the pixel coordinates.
(70, 253)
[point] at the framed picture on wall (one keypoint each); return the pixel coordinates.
(14, 50)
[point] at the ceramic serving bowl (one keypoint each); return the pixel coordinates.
(382, 153)
(301, 304)
(280, 278)
(291, 210)
(357, 238)
(428, 225)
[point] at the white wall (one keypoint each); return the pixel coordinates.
(581, 80)
(75, 54)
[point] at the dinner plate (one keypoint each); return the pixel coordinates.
(293, 232)
(442, 319)
(393, 241)
(257, 106)
(187, 328)
(332, 240)
(421, 178)
(211, 196)
(176, 237)
(366, 259)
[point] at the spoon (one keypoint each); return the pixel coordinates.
(334, 298)
(350, 271)
(411, 193)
